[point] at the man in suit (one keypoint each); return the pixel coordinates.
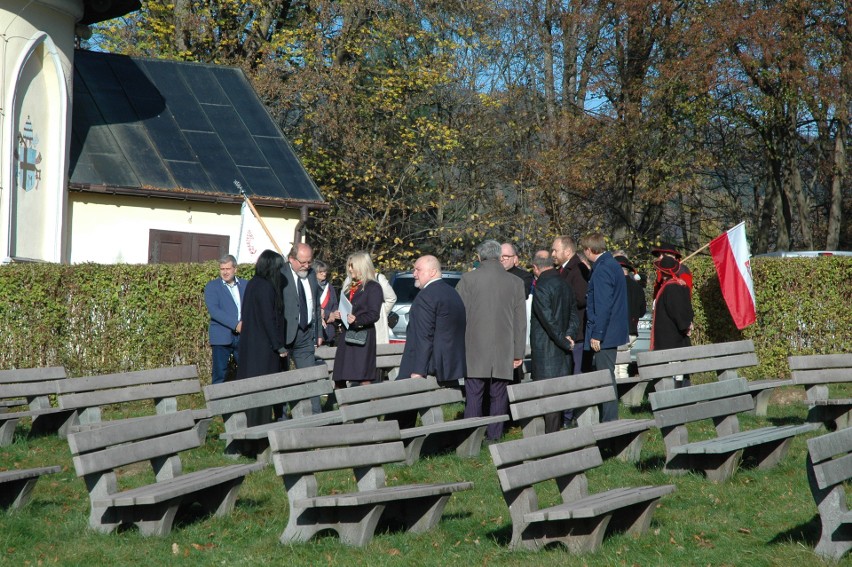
(510, 262)
(606, 312)
(495, 336)
(434, 343)
(553, 326)
(575, 272)
(223, 297)
(302, 316)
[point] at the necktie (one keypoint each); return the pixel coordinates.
(303, 306)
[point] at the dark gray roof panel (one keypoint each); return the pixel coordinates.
(173, 125)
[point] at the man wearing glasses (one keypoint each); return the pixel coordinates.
(302, 321)
(509, 260)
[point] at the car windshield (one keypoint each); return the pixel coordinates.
(406, 292)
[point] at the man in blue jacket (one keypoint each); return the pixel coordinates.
(223, 297)
(606, 312)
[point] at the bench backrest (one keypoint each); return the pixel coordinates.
(157, 383)
(32, 384)
(363, 447)
(705, 401)
(96, 453)
(722, 358)
(820, 369)
(564, 456)
(413, 394)
(540, 397)
(297, 385)
(387, 355)
(831, 456)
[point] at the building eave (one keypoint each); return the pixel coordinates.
(191, 195)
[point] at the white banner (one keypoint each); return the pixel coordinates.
(253, 239)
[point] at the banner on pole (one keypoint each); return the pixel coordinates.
(253, 238)
(731, 256)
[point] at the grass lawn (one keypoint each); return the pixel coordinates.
(756, 518)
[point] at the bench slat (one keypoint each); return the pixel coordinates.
(744, 439)
(348, 396)
(831, 444)
(527, 474)
(675, 367)
(703, 410)
(454, 425)
(380, 407)
(537, 389)
(238, 388)
(129, 394)
(700, 393)
(32, 374)
(519, 450)
(696, 352)
(308, 462)
(270, 397)
(122, 432)
(550, 404)
(113, 457)
(332, 436)
(600, 503)
(262, 431)
(388, 494)
(822, 376)
(820, 361)
(124, 379)
(19, 474)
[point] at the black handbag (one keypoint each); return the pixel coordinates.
(356, 338)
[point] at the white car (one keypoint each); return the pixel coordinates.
(403, 285)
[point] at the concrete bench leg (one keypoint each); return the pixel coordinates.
(7, 431)
(413, 447)
(625, 448)
(220, 500)
(634, 520)
(157, 519)
(579, 536)
(767, 455)
(835, 538)
(718, 468)
(17, 493)
(355, 525)
(761, 402)
(633, 395)
(418, 515)
(472, 444)
(833, 417)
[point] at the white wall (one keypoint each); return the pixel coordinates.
(109, 229)
(36, 57)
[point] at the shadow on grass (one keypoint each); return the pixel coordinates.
(806, 534)
(785, 420)
(502, 536)
(641, 409)
(654, 463)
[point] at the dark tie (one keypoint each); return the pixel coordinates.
(303, 306)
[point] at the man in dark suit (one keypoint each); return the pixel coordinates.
(553, 325)
(302, 318)
(509, 260)
(434, 343)
(223, 298)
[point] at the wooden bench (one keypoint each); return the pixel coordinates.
(87, 395)
(246, 407)
(16, 486)
(531, 401)
(427, 398)
(299, 454)
(717, 457)
(581, 519)
(98, 454)
(816, 373)
(32, 388)
(388, 358)
(661, 366)
(829, 467)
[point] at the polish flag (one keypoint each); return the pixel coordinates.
(731, 256)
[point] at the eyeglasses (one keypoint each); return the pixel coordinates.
(303, 262)
(507, 256)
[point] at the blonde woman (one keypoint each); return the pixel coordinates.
(357, 363)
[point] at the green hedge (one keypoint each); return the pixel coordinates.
(96, 319)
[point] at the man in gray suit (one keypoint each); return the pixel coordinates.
(495, 337)
(302, 320)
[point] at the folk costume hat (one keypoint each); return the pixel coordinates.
(667, 266)
(625, 263)
(666, 248)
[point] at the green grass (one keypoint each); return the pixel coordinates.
(756, 518)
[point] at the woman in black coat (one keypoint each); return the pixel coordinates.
(262, 343)
(354, 363)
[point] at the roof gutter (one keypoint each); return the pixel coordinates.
(190, 195)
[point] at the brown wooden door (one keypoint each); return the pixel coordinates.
(168, 247)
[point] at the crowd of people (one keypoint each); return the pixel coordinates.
(576, 306)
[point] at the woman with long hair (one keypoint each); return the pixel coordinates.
(262, 343)
(353, 362)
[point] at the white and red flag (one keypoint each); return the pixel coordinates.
(731, 256)
(254, 237)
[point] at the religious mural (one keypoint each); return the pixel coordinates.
(27, 158)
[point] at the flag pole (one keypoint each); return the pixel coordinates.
(696, 252)
(239, 186)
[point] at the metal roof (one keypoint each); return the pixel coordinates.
(181, 130)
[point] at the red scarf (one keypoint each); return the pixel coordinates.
(353, 287)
